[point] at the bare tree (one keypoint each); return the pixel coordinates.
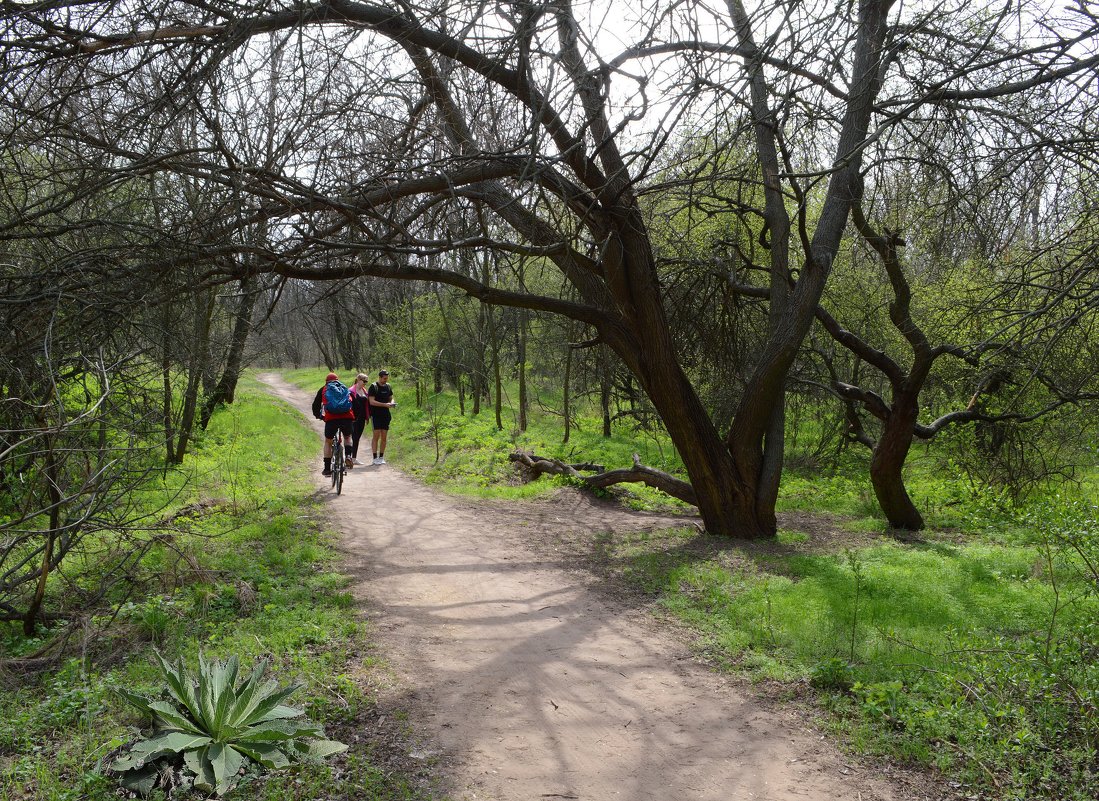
(411, 129)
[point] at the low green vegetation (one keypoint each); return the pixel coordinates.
(468, 454)
(972, 648)
(211, 731)
(240, 568)
(979, 659)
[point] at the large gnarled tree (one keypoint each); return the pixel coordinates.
(510, 114)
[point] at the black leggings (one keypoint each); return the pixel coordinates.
(355, 435)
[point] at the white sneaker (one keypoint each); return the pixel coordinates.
(381, 460)
(356, 461)
(378, 460)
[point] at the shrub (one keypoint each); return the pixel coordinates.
(208, 730)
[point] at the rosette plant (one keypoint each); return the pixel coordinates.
(209, 730)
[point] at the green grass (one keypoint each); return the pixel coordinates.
(248, 571)
(978, 658)
(468, 455)
(974, 651)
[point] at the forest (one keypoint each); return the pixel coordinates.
(746, 263)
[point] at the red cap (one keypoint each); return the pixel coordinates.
(331, 377)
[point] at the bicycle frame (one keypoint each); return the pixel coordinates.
(339, 461)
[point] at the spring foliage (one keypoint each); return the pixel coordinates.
(209, 730)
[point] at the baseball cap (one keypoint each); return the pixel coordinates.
(331, 377)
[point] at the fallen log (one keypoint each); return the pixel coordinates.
(638, 474)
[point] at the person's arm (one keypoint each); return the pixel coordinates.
(317, 404)
(372, 398)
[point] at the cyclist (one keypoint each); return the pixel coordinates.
(335, 419)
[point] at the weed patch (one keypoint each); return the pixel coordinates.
(978, 659)
(246, 572)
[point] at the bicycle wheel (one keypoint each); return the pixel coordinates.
(338, 466)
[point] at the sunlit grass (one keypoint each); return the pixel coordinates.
(978, 658)
(249, 571)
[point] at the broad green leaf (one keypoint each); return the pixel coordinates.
(141, 780)
(220, 692)
(127, 762)
(180, 685)
(206, 683)
(226, 761)
(281, 713)
(320, 749)
(276, 730)
(198, 762)
(170, 715)
(234, 668)
(266, 754)
(134, 699)
(249, 694)
(223, 705)
(248, 705)
(171, 742)
(264, 710)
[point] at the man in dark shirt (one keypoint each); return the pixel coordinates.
(380, 395)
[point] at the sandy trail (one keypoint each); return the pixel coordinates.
(531, 684)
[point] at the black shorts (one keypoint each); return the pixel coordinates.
(332, 426)
(379, 419)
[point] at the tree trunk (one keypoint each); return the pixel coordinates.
(521, 364)
(199, 352)
(415, 354)
(225, 390)
(53, 488)
(605, 391)
(478, 377)
(728, 497)
(887, 464)
(166, 378)
(565, 392)
(318, 329)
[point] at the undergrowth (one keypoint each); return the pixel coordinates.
(971, 648)
(976, 658)
(468, 454)
(248, 571)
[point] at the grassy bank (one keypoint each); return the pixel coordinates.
(468, 455)
(972, 648)
(242, 567)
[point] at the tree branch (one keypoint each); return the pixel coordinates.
(639, 473)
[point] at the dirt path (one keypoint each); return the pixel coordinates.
(532, 684)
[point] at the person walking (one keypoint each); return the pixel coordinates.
(332, 404)
(380, 395)
(360, 404)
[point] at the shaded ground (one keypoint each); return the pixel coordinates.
(529, 676)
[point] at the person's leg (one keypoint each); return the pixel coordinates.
(347, 428)
(360, 425)
(374, 441)
(329, 432)
(381, 422)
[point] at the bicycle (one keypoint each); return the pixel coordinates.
(339, 462)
